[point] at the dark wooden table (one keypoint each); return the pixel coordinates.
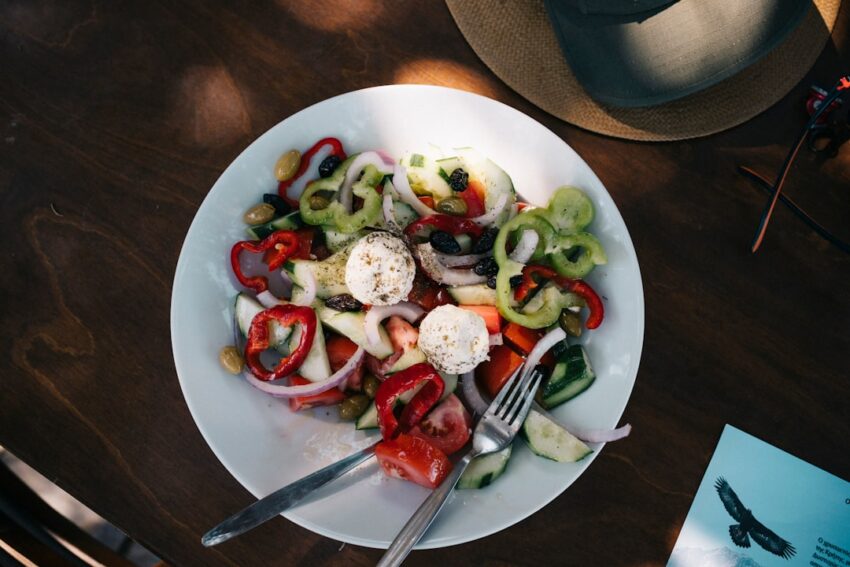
(116, 119)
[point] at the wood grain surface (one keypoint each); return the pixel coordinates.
(115, 120)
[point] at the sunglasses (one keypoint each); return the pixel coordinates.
(823, 139)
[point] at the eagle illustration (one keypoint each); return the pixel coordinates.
(749, 525)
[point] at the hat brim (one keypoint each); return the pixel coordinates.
(661, 55)
(516, 40)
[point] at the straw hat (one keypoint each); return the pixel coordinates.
(688, 68)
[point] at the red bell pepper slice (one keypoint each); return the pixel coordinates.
(336, 150)
(413, 412)
(278, 247)
(258, 339)
(579, 287)
(446, 223)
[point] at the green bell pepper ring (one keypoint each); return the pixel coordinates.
(590, 254)
(335, 214)
(371, 209)
(550, 310)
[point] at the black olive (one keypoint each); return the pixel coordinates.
(486, 267)
(491, 282)
(280, 206)
(485, 242)
(328, 165)
(343, 302)
(458, 180)
(515, 280)
(444, 242)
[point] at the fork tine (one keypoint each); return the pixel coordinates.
(515, 395)
(522, 392)
(522, 410)
(497, 402)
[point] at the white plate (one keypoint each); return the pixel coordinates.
(264, 445)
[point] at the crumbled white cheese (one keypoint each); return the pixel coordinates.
(380, 270)
(454, 340)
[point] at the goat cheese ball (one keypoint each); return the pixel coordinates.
(454, 340)
(380, 270)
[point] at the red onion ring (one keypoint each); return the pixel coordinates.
(389, 214)
(525, 247)
(402, 187)
(496, 339)
(441, 274)
(602, 435)
(268, 300)
(408, 311)
(549, 340)
(337, 378)
(309, 285)
(490, 216)
(353, 174)
(471, 393)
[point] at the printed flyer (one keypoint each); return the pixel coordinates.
(759, 506)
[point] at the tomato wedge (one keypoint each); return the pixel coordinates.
(493, 373)
(446, 427)
(490, 314)
(402, 334)
(474, 198)
(340, 350)
(414, 459)
(328, 398)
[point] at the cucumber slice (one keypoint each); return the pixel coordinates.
(408, 359)
(496, 182)
(316, 366)
(353, 326)
(368, 419)
(329, 273)
(482, 471)
(573, 364)
(423, 174)
(291, 221)
(568, 392)
(246, 308)
(404, 215)
(336, 240)
(449, 164)
(449, 386)
(548, 439)
(475, 294)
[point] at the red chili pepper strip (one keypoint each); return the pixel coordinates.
(528, 282)
(414, 411)
(446, 223)
(579, 287)
(258, 339)
(336, 150)
(278, 246)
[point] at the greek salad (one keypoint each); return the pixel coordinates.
(407, 289)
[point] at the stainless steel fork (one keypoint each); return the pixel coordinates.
(495, 430)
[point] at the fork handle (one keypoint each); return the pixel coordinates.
(416, 526)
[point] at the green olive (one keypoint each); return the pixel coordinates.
(319, 202)
(353, 407)
(370, 385)
(259, 214)
(230, 359)
(287, 165)
(570, 322)
(452, 206)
